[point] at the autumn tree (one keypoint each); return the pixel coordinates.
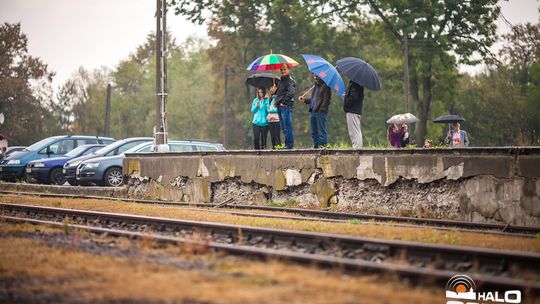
(439, 34)
(24, 88)
(521, 67)
(521, 51)
(433, 32)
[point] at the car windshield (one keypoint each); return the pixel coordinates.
(75, 152)
(139, 147)
(110, 147)
(40, 144)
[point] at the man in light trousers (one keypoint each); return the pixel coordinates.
(352, 106)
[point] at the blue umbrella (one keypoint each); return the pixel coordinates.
(359, 71)
(326, 72)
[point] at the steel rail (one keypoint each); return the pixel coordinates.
(502, 263)
(415, 275)
(500, 229)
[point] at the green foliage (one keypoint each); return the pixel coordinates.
(25, 89)
(339, 145)
(500, 105)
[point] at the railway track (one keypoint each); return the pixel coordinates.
(418, 262)
(307, 214)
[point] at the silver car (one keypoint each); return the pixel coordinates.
(107, 171)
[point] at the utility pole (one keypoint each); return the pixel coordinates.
(225, 105)
(406, 73)
(107, 111)
(160, 129)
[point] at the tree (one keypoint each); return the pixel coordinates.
(434, 31)
(521, 67)
(62, 107)
(88, 93)
(24, 88)
(502, 104)
(521, 51)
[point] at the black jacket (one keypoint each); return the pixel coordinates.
(322, 101)
(285, 91)
(354, 99)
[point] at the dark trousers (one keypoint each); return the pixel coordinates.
(319, 132)
(259, 136)
(275, 137)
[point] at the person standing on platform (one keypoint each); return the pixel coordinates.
(284, 102)
(273, 120)
(457, 137)
(259, 108)
(318, 108)
(352, 105)
(395, 135)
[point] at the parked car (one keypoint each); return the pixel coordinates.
(10, 150)
(13, 166)
(14, 149)
(49, 171)
(118, 147)
(107, 171)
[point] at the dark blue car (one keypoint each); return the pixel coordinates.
(12, 168)
(49, 170)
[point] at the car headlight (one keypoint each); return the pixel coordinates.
(39, 165)
(75, 164)
(14, 162)
(91, 165)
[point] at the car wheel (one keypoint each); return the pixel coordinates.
(114, 177)
(25, 178)
(57, 177)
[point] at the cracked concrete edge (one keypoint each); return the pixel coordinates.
(62, 189)
(386, 169)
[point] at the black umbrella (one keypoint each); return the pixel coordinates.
(359, 71)
(262, 80)
(448, 119)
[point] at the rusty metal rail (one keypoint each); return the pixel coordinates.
(496, 267)
(307, 214)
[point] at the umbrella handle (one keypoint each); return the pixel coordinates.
(308, 91)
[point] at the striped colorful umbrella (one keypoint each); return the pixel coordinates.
(271, 62)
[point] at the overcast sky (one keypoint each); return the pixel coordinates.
(67, 34)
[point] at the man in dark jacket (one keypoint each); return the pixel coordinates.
(352, 106)
(284, 102)
(318, 107)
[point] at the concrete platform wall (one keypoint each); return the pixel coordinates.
(477, 184)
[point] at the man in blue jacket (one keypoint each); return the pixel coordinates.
(284, 102)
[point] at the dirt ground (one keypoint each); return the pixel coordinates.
(48, 265)
(364, 229)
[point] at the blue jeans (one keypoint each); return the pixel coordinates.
(285, 119)
(319, 132)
